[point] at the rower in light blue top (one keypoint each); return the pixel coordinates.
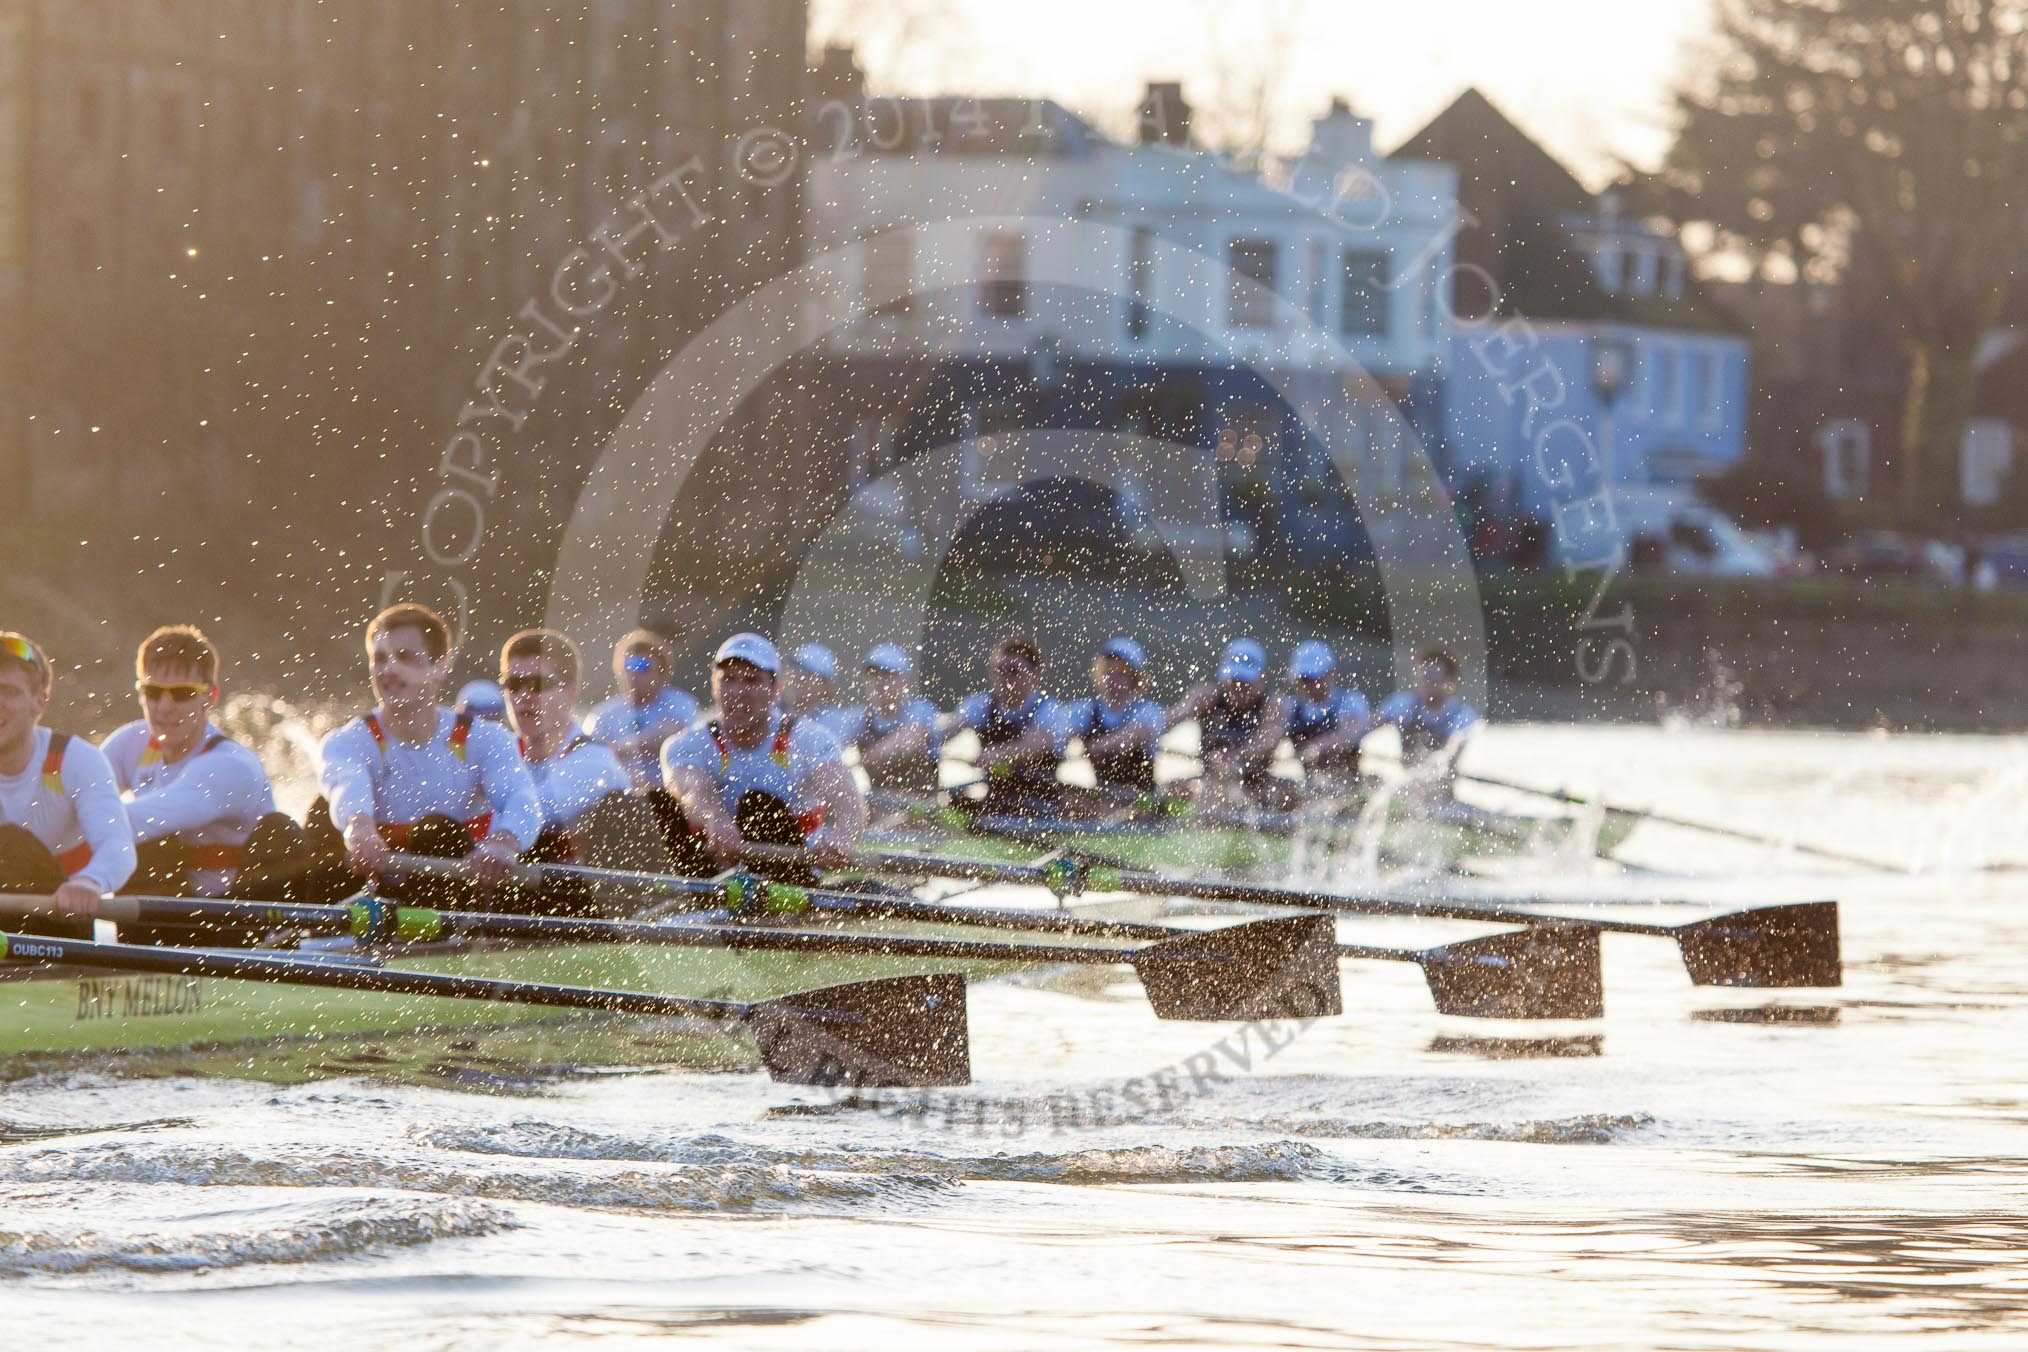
(810, 687)
(1323, 720)
(647, 712)
(1120, 726)
(1432, 719)
(1020, 744)
(895, 731)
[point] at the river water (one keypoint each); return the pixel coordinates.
(1698, 1169)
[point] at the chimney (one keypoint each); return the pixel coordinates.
(1165, 117)
(838, 76)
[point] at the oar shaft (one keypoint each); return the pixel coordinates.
(355, 976)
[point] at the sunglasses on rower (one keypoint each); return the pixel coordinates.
(23, 650)
(529, 684)
(181, 692)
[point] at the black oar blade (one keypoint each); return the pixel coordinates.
(906, 1032)
(1541, 972)
(1793, 945)
(1282, 968)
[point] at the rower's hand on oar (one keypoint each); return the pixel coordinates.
(723, 840)
(77, 899)
(493, 861)
(829, 854)
(365, 851)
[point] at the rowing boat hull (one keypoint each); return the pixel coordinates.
(72, 1010)
(1194, 847)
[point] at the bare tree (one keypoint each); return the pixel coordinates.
(1901, 125)
(1252, 50)
(901, 44)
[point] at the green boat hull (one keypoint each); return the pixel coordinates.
(1189, 847)
(71, 1010)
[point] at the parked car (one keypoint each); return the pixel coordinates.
(1671, 528)
(2002, 562)
(1881, 553)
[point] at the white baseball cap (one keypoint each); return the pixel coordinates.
(751, 649)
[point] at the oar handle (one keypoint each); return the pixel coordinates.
(25, 905)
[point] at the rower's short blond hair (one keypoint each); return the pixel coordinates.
(36, 664)
(408, 615)
(643, 641)
(554, 646)
(177, 645)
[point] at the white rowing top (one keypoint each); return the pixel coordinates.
(85, 810)
(213, 796)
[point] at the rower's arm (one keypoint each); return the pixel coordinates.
(1267, 738)
(1189, 707)
(844, 805)
(1345, 735)
(1035, 743)
(702, 807)
(1135, 732)
(221, 786)
(101, 816)
(510, 788)
(904, 743)
(348, 778)
(587, 776)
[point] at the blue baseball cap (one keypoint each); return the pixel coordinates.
(889, 657)
(482, 699)
(751, 649)
(1312, 659)
(816, 659)
(1243, 660)
(1126, 650)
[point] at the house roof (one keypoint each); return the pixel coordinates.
(1516, 196)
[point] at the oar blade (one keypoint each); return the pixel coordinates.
(1791, 945)
(1541, 972)
(1282, 968)
(899, 1032)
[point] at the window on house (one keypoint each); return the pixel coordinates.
(1365, 303)
(1644, 273)
(1003, 269)
(1610, 264)
(1250, 283)
(1140, 281)
(1668, 383)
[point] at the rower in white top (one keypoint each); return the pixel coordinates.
(754, 772)
(194, 796)
(63, 829)
(647, 712)
(573, 774)
(413, 775)
(895, 731)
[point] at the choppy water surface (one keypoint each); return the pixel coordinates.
(1697, 1170)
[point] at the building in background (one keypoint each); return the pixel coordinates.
(1022, 272)
(1600, 307)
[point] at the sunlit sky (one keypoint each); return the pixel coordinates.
(1589, 78)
